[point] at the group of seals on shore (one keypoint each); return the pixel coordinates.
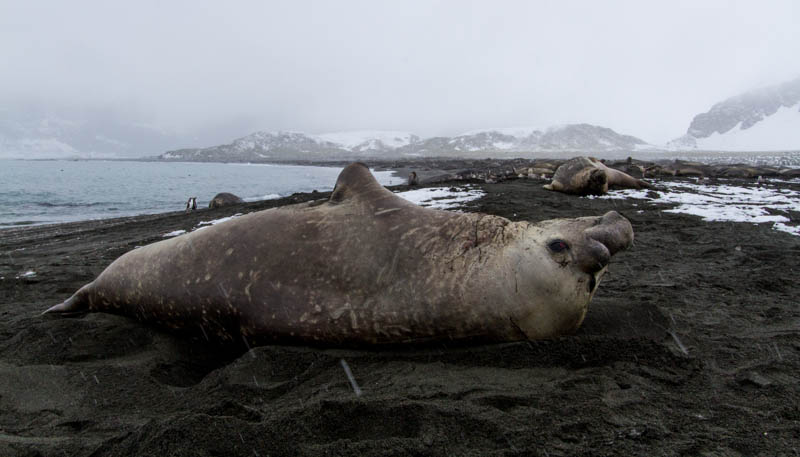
(698, 169)
(491, 171)
(364, 267)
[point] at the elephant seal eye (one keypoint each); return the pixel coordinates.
(558, 246)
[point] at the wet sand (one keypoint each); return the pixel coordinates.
(691, 347)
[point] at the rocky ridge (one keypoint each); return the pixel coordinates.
(500, 143)
(761, 119)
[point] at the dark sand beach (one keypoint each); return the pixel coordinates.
(691, 347)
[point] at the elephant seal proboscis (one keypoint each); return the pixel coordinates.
(589, 176)
(364, 267)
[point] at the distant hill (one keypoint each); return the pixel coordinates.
(766, 119)
(35, 132)
(498, 143)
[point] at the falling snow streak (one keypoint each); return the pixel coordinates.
(350, 377)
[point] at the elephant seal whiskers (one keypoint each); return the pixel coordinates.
(364, 267)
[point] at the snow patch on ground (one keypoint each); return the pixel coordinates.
(441, 197)
(202, 225)
(723, 202)
(794, 230)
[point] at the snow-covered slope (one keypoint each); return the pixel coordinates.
(280, 145)
(498, 143)
(518, 132)
(369, 139)
(766, 119)
(513, 141)
(778, 132)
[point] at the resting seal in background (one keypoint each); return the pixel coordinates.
(364, 267)
(589, 176)
(224, 199)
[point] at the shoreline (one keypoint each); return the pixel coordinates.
(433, 171)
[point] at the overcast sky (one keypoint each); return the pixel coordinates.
(431, 67)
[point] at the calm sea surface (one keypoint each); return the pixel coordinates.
(44, 192)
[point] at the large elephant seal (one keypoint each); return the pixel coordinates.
(589, 176)
(224, 199)
(365, 267)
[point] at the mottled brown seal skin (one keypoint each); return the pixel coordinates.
(589, 176)
(365, 267)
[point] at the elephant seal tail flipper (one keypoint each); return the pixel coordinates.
(77, 303)
(644, 184)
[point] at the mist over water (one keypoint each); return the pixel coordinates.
(41, 192)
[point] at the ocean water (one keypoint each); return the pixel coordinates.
(53, 191)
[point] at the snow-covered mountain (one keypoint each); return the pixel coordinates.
(515, 142)
(369, 140)
(265, 146)
(37, 130)
(766, 119)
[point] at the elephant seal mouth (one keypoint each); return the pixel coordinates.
(592, 283)
(594, 279)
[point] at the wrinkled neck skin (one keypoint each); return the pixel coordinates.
(439, 275)
(544, 296)
(558, 292)
(552, 288)
(496, 280)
